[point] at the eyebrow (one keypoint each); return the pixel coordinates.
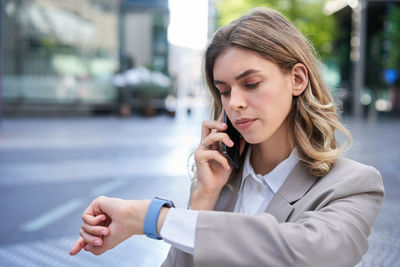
(240, 76)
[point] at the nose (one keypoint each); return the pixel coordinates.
(237, 99)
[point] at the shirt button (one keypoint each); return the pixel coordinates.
(259, 187)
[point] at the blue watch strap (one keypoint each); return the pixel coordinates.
(153, 211)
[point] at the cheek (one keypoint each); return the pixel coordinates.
(275, 105)
(225, 104)
(287, 99)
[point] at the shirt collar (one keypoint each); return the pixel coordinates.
(275, 178)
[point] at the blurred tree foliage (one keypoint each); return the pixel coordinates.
(306, 15)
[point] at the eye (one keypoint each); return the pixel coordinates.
(252, 85)
(224, 93)
(222, 90)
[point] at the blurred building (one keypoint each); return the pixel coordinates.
(376, 49)
(186, 66)
(187, 50)
(143, 31)
(60, 57)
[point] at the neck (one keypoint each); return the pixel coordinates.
(267, 155)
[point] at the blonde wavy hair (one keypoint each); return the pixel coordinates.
(313, 117)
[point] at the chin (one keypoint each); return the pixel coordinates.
(256, 137)
(252, 139)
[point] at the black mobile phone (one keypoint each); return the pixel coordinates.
(232, 153)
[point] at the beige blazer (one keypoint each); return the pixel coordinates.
(310, 222)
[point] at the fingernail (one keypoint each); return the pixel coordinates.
(97, 242)
(103, 232)
(222, 124)
(231, 143)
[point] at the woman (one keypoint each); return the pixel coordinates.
(293, 201)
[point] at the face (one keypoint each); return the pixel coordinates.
(255, 93)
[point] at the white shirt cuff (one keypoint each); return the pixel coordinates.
(179, 229)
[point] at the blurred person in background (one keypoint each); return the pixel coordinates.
(294, 201)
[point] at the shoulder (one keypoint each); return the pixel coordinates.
(350, 168)
(351, 176)
(347, 181)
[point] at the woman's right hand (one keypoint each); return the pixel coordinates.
(213, 169)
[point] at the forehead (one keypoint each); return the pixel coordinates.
(234, 61)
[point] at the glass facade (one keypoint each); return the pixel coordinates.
(59, 51)
(381, 83)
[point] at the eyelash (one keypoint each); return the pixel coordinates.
(248, 86)
(252, 85)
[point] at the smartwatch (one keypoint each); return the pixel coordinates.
(153, 211)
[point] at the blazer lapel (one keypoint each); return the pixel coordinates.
(295, 187)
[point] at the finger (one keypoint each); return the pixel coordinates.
(88, 247)
(91, 239)
(95, 250)
(93, 220)
(77, 246)
(208, 155)
(98, 250)
(208, 126)
(218, 137)
(94, 209)
(95, 230)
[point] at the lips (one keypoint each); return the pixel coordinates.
(244, 123)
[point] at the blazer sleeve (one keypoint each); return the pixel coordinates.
(334, 234)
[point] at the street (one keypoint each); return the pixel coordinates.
(52, 168)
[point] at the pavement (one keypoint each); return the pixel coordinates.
(50, 170)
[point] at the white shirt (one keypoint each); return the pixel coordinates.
(255, 193)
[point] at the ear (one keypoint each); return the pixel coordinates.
(299, 78)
